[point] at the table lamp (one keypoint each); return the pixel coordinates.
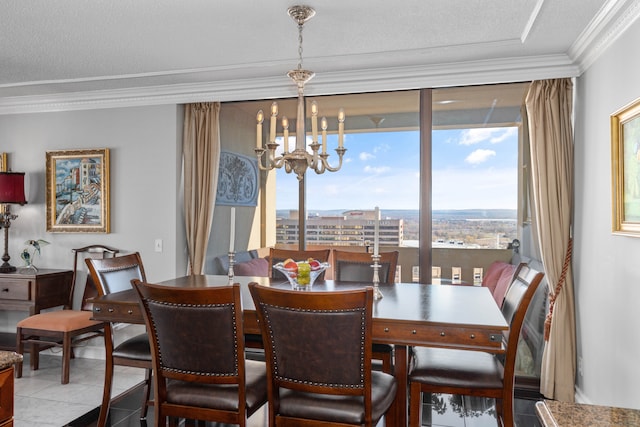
(11, 192)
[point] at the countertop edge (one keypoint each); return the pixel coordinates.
(8, 358)
(545, 415)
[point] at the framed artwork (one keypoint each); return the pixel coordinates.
(77, 195)
(625, 167)
(237, 180)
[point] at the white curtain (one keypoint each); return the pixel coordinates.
(549, 111)
(201, 157)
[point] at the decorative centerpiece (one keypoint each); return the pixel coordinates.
(29, 256)
(301, 274)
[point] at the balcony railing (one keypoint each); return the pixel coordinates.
(464, 259)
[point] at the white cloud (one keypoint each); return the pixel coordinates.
(508, 132)
(364, 156)
(376, 170)
(492, 135)
(381, 148)
(479, 156)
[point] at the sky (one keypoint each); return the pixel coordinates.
(472, 169)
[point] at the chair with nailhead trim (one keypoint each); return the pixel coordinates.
(200, 371)
(318, 353)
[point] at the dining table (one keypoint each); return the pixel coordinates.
(408, 314)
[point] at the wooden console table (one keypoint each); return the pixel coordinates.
(32, 291)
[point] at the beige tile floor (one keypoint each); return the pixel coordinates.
(41, 401)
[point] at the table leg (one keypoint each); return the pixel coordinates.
(401, 372)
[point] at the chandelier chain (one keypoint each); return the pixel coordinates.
(300, 46)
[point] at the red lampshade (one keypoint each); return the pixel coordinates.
(12, 187)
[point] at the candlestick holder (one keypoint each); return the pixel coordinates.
(376, 277)
(232, 256)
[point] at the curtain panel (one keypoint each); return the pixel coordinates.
(201, 158)
(549, 114)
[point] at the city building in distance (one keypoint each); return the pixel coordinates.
(349, 228)
(464, 229)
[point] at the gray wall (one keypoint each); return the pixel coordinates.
(607, 276)
(145, 151)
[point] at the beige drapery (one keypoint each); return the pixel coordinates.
(201, 157)
(549, 109)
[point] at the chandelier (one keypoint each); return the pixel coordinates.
(299, 159)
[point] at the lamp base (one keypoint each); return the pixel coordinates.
(7, 268)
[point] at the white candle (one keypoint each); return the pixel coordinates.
(232, 229)
(274, 115)
(260, 118)
(376, 232)
(285, 126)
(323, 125)
(314, 121)
(340, 127)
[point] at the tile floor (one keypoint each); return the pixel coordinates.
(41, 401)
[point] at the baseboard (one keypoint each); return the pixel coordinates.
(581, 397)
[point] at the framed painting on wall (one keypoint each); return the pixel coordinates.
(625, 168)
(77, 195)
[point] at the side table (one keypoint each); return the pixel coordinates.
(31, 291)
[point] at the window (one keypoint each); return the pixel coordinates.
(380, 168)
(475, 187)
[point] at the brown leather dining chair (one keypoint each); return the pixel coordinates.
(476, 373)
(357, 267)
(114, 275)
(63, 328)
(318, 377)
(200, 372)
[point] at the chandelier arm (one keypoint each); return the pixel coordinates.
(321, 166)
(277, 162)
(314, 156)
(340, 151)
(259, 153)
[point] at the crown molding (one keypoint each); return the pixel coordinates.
(353, 81)
(613, 19)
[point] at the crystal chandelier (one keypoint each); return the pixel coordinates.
(299, 159)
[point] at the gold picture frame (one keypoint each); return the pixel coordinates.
(77, 195)
(625, 169)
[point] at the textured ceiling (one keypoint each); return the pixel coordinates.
(56, 50)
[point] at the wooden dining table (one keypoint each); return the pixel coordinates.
(409, 314)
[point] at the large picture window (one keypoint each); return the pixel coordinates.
(447, 179)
